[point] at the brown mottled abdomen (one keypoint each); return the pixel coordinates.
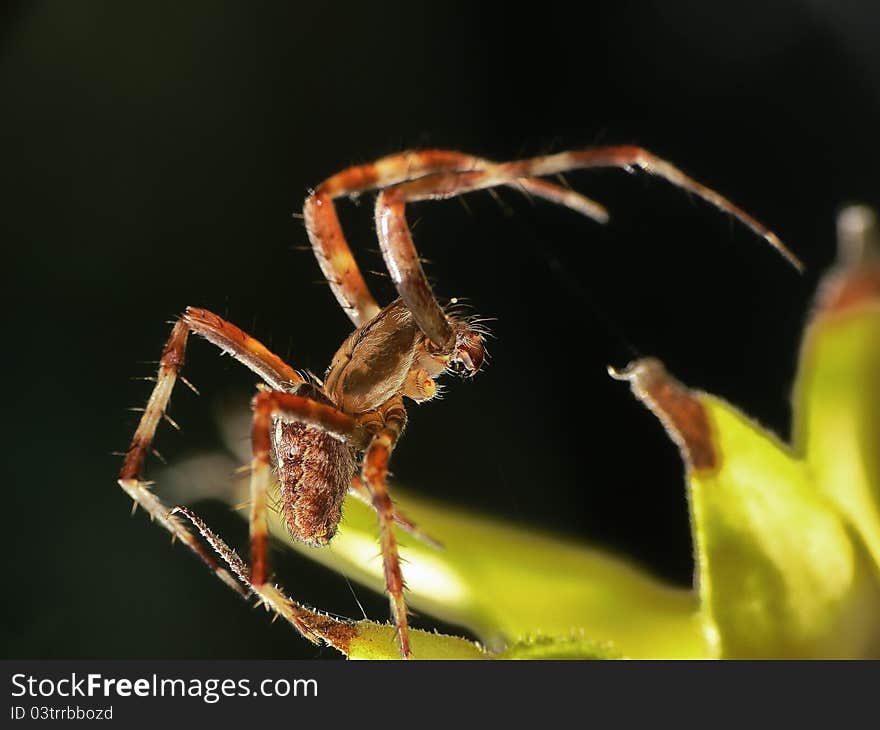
(314, 470)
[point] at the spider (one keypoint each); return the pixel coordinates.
(307, 435)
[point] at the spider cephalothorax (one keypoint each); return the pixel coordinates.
(307, 436)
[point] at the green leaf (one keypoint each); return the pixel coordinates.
(788, 539)
(779, 574)
(546, 647)
(379, 641)
(837, 395)
(504, 582)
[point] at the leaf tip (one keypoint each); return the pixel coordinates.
(681, 412)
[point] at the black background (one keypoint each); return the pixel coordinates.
(153, 154)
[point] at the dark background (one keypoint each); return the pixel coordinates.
(153, 154)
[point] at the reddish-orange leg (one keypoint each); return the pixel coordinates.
(374, 474)
(328, 241)
(244, 348)
(360, 491)
(400, 253)
(229, 338)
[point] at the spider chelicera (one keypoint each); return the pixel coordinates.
(308, 435)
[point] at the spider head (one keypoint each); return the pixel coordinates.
(468, 354)
(463, 351)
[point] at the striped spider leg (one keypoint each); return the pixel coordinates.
(436, 174)
(328, 241)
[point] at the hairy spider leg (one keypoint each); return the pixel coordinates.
(360, 491)
(325, 231)
(374, 474)
(401, 257)
(245, 349)
(229, 338)
(308, 623)
(252, 353)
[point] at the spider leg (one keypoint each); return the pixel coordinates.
(252, 353)
(243, 348)
(359, 491)
(288, 407)
(328, 241)
(402, 259)
(298, 616)
(374, 473)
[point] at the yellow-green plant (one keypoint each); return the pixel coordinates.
(787, 536)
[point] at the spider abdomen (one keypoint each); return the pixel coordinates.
(314, 471)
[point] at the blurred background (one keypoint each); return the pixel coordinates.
(153, 156)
